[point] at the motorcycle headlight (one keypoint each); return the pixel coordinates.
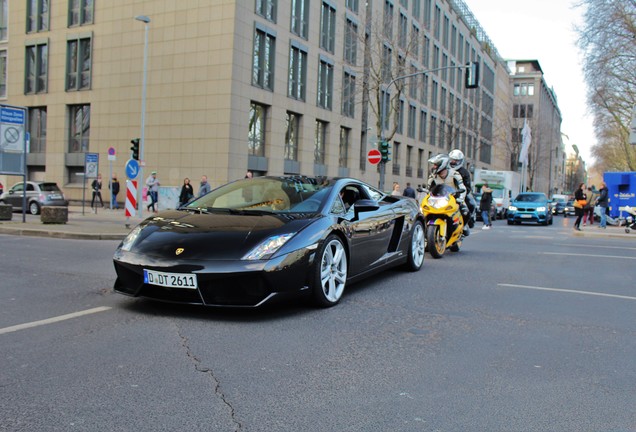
(268, 247)
(438, 202)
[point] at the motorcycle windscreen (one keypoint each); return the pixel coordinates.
(442, 190)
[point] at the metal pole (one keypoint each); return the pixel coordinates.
(142, 135)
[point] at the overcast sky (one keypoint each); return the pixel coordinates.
(543, 30)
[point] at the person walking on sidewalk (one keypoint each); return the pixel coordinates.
(485, 204)
(97, 190)
(153, 191)
(187, 192)
(588, 210)
(113, 185)
(580, 198)
(603, 201)
(205, 186)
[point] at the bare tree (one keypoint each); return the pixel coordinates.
(608, 41)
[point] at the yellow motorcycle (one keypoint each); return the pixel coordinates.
(444, 222)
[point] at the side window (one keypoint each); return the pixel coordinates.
(338, 207)
(373, 194)
(30, 187)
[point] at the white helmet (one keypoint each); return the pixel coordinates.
(439, 163)
(456, 158)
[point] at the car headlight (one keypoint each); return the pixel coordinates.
(130, 239)
(541, 209)
(512, 208)
(268, 247)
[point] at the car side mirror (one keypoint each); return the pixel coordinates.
(365, 205)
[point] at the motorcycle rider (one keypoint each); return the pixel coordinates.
(442, 173)
(457, 163)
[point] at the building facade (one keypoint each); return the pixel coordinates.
(272, 86)
(534, 103)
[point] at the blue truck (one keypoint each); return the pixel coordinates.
(621, 187)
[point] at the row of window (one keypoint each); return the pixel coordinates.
(78, 65)
(442, 134)
(78, 134)
(80, 12)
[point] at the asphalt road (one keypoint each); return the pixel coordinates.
(526, 329)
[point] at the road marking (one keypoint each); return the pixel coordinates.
(594, 246)
(591, 293)
(589, 255)
(53, 320)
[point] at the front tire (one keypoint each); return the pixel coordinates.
(416, 248)
(330, 272)
(435, 241)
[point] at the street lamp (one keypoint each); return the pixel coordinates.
(142, 140)
(471, 81)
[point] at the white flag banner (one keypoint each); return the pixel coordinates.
(526, 138)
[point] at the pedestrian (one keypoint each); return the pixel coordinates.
(152, 182)
(97, 190)
(603, 201)
(396, 189)
(113, 185)
(485, 205)
(588, 209)
(205, 186)
(187, 192)
(580, 198)
(409, 191)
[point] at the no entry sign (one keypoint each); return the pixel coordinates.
(374, 156)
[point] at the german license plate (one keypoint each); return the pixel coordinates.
(526, 216)
(170, 280)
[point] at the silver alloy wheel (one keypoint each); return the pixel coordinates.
(418, 245)
(333, 270)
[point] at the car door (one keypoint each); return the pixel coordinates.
(15, 195)
(370, 232)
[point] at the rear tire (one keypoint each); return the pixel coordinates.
(34, 208)
(330, 272)
(435, 242)
(416, 248)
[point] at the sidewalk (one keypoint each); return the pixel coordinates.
(83, 224)
(109, 224)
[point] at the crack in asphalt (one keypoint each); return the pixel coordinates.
(210, 374)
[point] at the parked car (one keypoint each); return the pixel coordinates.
(253, 240)
(493, 208)
(530, 207)
(38, 194)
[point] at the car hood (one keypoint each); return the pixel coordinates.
(194, 236)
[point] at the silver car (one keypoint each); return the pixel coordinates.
(38, 194)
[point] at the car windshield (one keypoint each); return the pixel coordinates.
(531, 197)
(49, 187)
(266, 194)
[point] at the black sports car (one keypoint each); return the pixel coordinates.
(253, 240)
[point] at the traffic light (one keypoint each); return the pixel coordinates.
(471, 76)
(135, 148)
(385, 151)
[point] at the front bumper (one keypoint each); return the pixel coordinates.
(536, 217)
(220, 283)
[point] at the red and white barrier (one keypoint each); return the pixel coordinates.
(131, 198)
